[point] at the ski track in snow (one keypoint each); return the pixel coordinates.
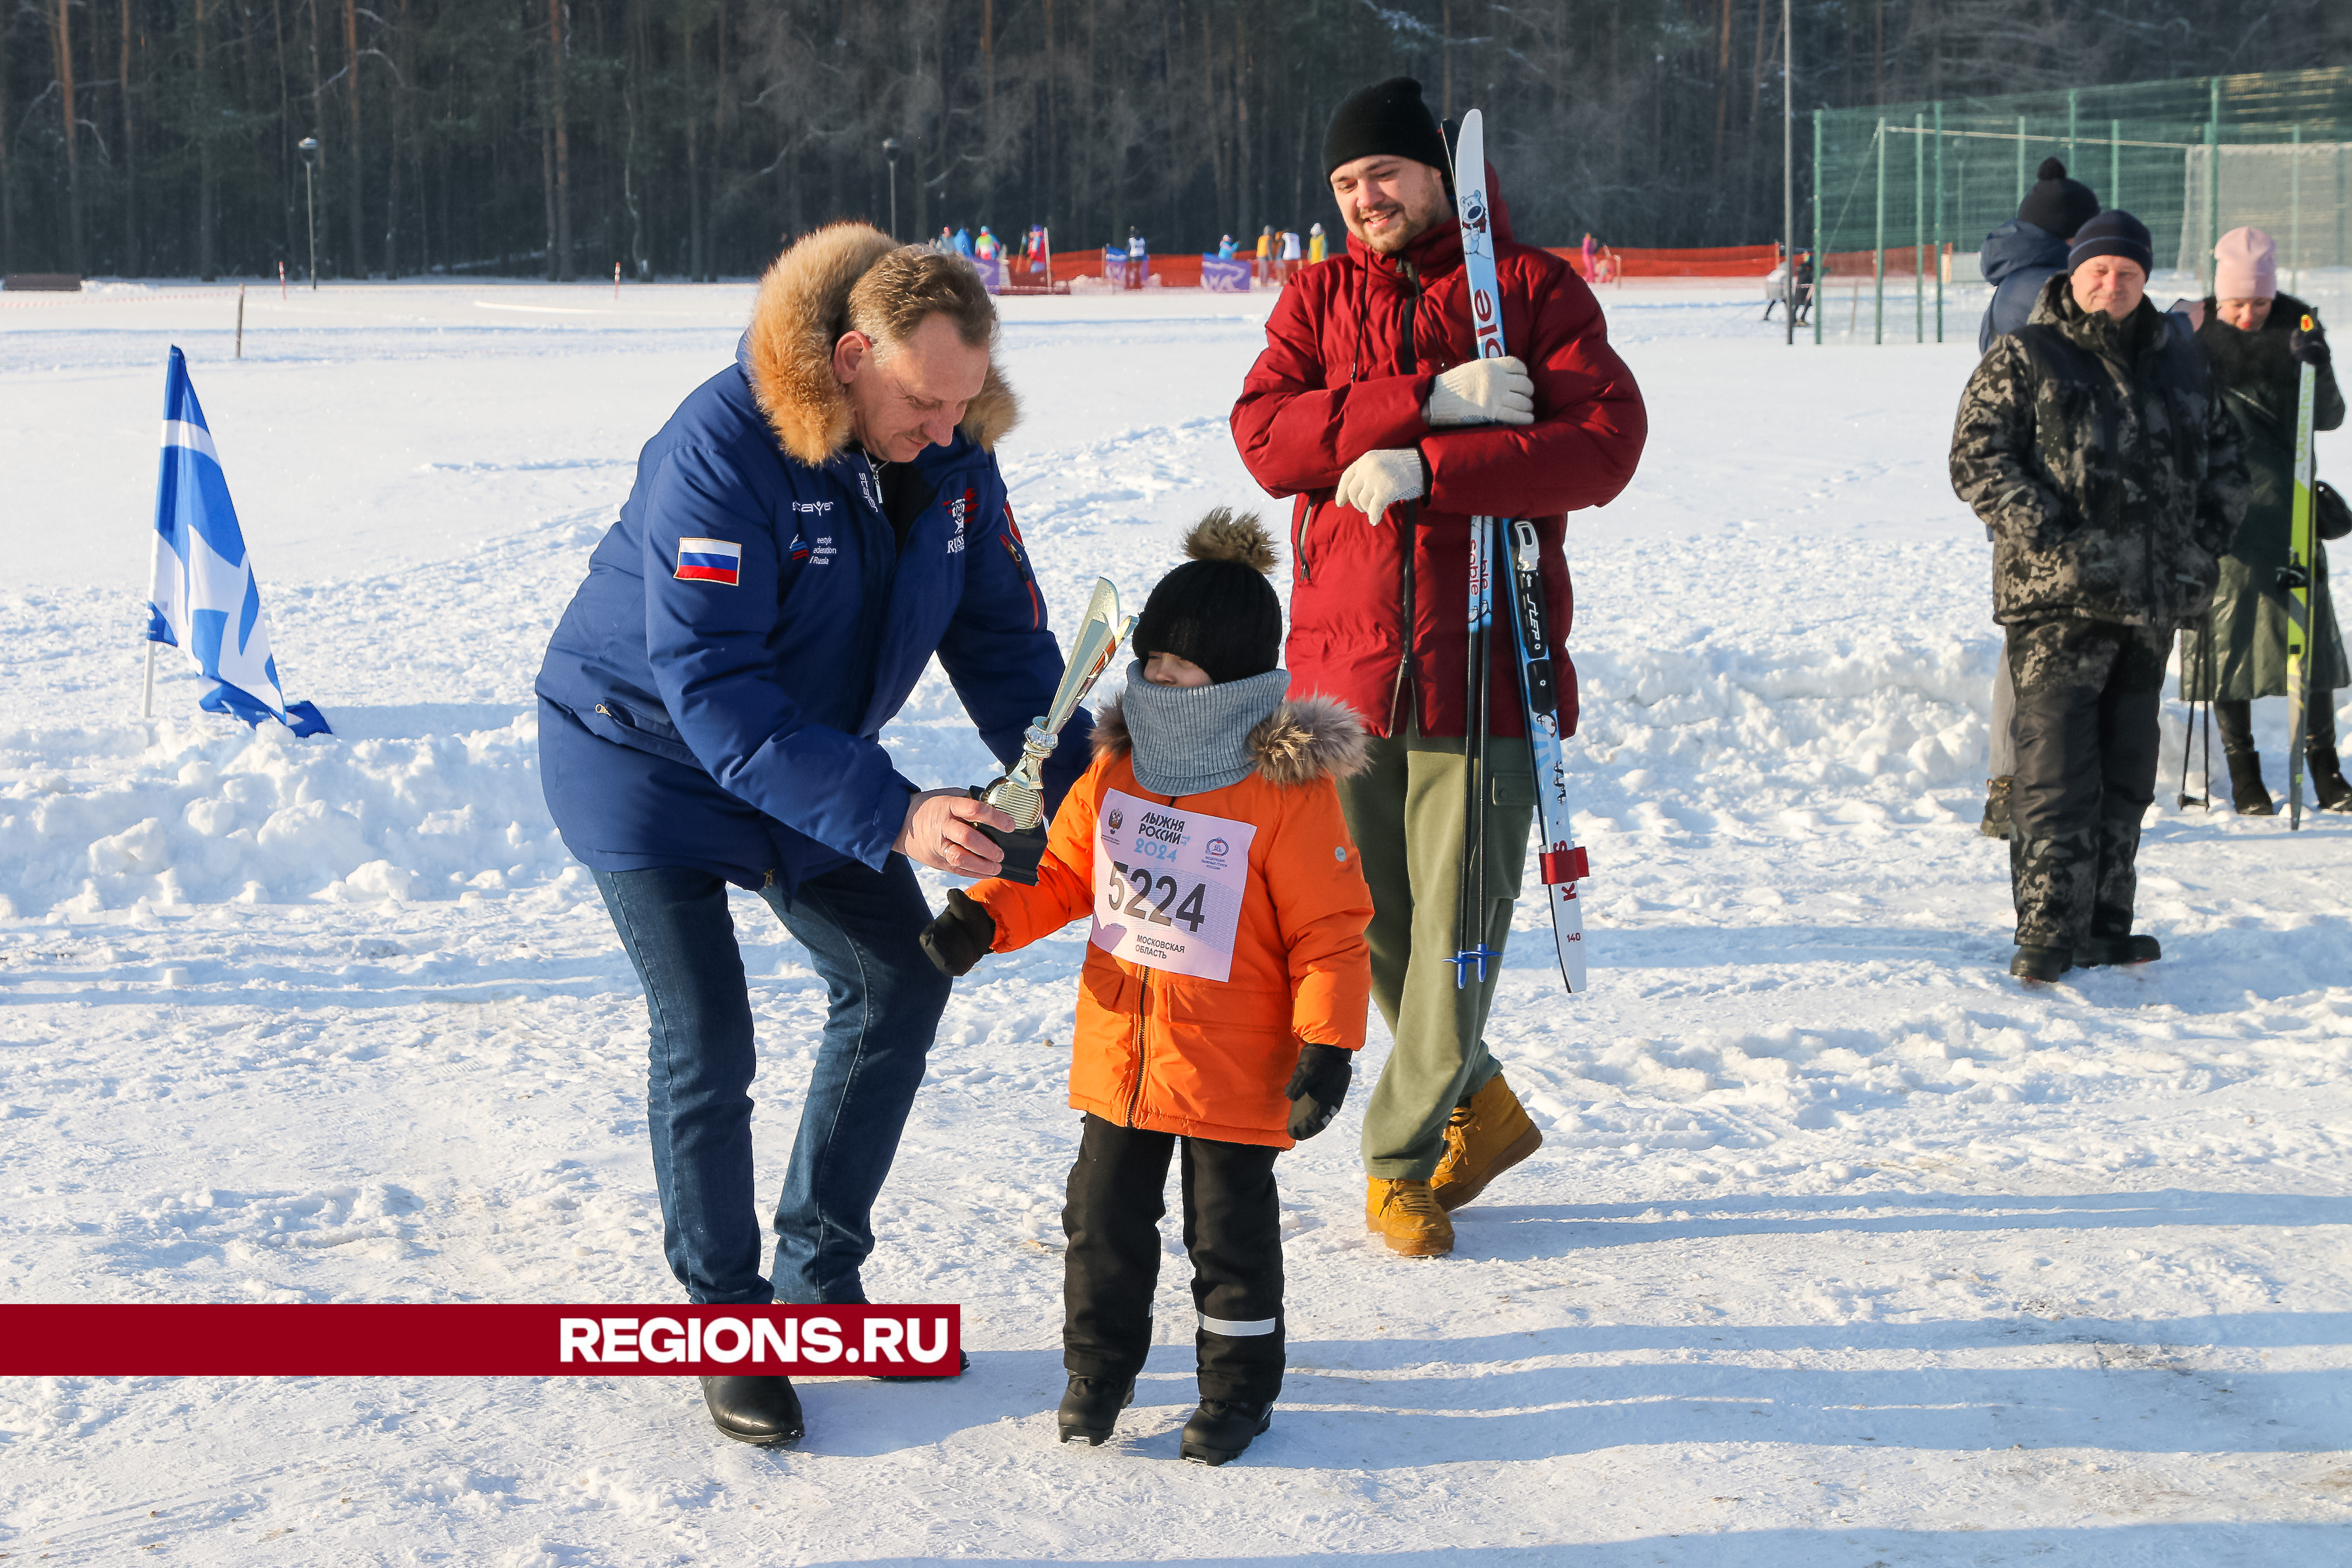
(1842, 1248)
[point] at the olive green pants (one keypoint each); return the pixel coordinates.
(1405, 811)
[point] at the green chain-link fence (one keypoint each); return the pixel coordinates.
(1905, 194)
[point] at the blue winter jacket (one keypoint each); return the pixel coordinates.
(2019, 258)
(715, 694)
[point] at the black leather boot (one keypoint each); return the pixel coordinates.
(2246, 791)
(2329, 791)
(1219, 1431)
(2236, 721)
(1090, 1408)
(758, 1410)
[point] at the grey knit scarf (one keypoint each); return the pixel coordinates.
(1190, 740)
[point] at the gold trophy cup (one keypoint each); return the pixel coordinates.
(1020, 793)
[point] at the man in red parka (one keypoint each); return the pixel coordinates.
(1369, 406)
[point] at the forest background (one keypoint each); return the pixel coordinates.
(690, 138)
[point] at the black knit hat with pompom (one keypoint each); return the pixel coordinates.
(1217, 610)
(2056, 204)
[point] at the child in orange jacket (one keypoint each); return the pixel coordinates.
(1225, 982)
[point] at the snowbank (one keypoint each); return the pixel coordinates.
(200, 811)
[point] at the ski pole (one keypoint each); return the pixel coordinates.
(1462, 869)
(2184, 800)
(1476, 691)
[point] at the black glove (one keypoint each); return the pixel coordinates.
(959, 938)
(1317, 1084)
(2309, 348)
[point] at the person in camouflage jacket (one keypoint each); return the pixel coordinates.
(2094, 446)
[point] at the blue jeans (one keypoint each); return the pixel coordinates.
(885, 1000)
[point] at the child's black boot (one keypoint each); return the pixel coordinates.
(1219, 1431)
(1090, 1408)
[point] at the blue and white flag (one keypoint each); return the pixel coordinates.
(205, 600)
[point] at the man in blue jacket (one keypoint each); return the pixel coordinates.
(2022, 254)
(2019, 258)
(812, 526)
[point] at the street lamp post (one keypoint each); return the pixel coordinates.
(309, 148)
(890, 150)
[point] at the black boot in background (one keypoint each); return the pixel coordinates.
(1996, 811)
(2329, 791)
(2246, 791)
(2236, 721)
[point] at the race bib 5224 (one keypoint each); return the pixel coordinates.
(1168, 885)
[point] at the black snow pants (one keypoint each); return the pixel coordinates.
(1232, 1232)
(2087, 696)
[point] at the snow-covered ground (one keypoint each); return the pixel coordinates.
(1842, 1248)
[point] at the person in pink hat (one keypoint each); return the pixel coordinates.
(2256, 348)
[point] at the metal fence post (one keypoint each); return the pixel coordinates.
(2074, 102)
(2213, 178)
(2115, 163)
(1918, 228)
(2020, 160)
(1821, 259)
(2295, 223)
(1878, 250)
(1939, 221)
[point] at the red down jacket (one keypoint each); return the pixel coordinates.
(1335, 382)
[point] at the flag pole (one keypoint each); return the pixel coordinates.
(147, 710)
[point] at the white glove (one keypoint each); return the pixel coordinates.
(1484, 392)
(1377, 481)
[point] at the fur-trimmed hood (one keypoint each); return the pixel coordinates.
(801, 311)
(1302, 741)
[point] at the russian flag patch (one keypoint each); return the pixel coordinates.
(709, 561)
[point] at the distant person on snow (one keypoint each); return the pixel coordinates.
(963, 243)
(1294, 252)
(1225, 1024)
(1369, 404)
(813, 526)
(1315, 247)
(2018, 259)
(2256, 346)
(2094, 445)
(985, 247)
(1225, 249)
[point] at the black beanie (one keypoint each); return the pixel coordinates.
(2112, 233)
(1386, 119)
(2056, 204)
(1217, 610)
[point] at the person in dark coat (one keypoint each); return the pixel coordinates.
(1368, 397)
(2094, 446)
(2019, 258)
(813, 524)
(2254, 343)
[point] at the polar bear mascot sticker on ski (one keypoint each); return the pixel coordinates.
(1169, 886)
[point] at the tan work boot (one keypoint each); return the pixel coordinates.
(1487, 1134)
(1408, 1219)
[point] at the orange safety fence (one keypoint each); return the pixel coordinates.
(1713, 261)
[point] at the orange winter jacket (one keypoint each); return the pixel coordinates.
(1208, 1058)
